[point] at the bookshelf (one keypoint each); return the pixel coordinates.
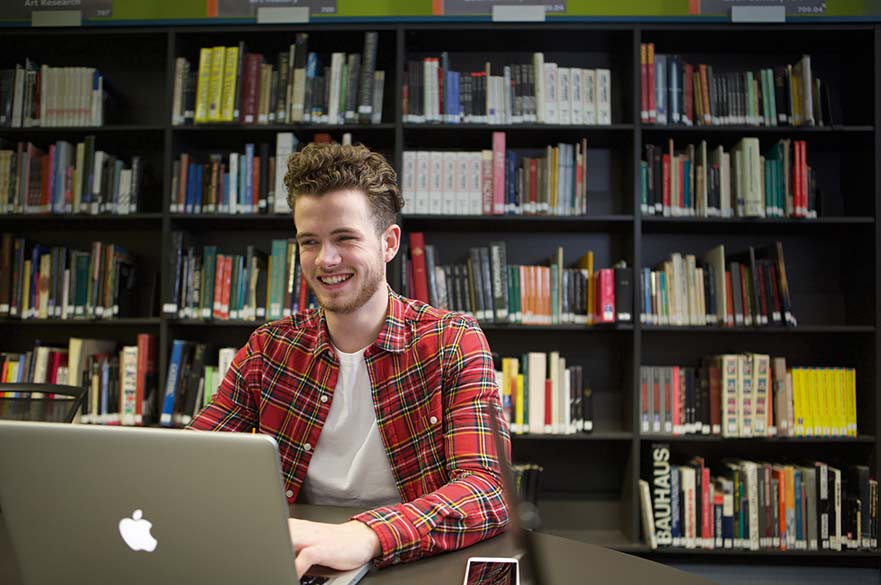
(590, 482)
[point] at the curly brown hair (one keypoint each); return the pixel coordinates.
(323, 168)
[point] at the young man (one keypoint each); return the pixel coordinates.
(375, 400)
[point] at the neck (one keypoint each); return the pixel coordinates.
(353, 331)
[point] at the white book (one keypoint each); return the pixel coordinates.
(604, 97)
(408, 182)
(334, 116)
(462, 182)
(232, 205)
(648, 521)
(128, 391)
(538, 67)
(508, 97)
(475, 183)
(537, 374)
(435, 182)
(285, 145)
(590, 96)
(423, 159)
(448, 183)
(18, 96)
(551, 97)
(564, 96)
(576, 80)
(124, 206)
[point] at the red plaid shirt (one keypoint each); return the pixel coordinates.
(433, 387)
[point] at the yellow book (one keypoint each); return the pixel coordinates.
(26, 291)
(201, 115)
(215, 83)
(521, 397)
(852, 391)
(230, 73)
(511, 389)
(833, 402)
(821, 405)
(845, 406)
(586, 263)
(798, 402)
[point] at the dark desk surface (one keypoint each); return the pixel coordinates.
(566, 561)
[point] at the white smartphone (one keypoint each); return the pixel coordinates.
(492, 571)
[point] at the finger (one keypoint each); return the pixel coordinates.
(303, 561)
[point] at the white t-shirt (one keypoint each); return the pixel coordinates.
(349, 466)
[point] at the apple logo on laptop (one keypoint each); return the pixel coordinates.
(135, 531)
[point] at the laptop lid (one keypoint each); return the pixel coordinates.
(524, 516)
(143, 506)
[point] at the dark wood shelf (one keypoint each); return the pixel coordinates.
(743, 129)
(106, 129)
(233, 221)
(500, 223)
(121, 322)
(232, 127)
(776, 330)
(592, 436)
(681, 226)
(717, 440)
(612, 328)
(214, 323)
(151, 221)
(730, 552)
(556, 128)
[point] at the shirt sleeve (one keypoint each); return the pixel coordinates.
(470, 507)
(233, 407)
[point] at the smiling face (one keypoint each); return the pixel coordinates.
(342, 256)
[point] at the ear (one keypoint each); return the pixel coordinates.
(391, 241)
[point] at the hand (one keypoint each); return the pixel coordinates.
(338, 546)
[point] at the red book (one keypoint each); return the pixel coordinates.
(46, 178)
(219, 263)
(420, 275)
(688, 86)
(714, 376)
(706, 507)
(533, 184)
(676, 402)
(650, 58)
(255, 185)
(227, 285)
(643, 82)
(606, 295)
(250, 88)
(729, 299)
(146, 369)
(665, 175)
(498, 200)
(304, 295)
(549, 404)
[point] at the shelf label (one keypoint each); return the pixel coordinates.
(534, 13)
(51, 11)
(514, 7)
(767, 9)
(273, 9)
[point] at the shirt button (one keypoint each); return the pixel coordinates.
(433, 420)
(289, 494)
(324, 398)
(307, 447)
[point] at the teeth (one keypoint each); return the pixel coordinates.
(334, 279)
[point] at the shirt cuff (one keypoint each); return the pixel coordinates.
(397, 535)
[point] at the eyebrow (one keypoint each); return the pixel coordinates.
(343, 230)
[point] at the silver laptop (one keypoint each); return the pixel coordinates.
(96, 505)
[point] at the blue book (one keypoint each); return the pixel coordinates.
(676, 528)
(661, 88)
(647, 294)
(686, 184)
(246, 197)
(674, 90)
(171, 383)
(799, 532)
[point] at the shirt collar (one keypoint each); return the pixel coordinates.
(395, 335)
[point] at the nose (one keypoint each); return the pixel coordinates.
(327, 256)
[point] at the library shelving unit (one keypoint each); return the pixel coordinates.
(590, 480)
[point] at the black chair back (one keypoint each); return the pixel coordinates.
(40, 402)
